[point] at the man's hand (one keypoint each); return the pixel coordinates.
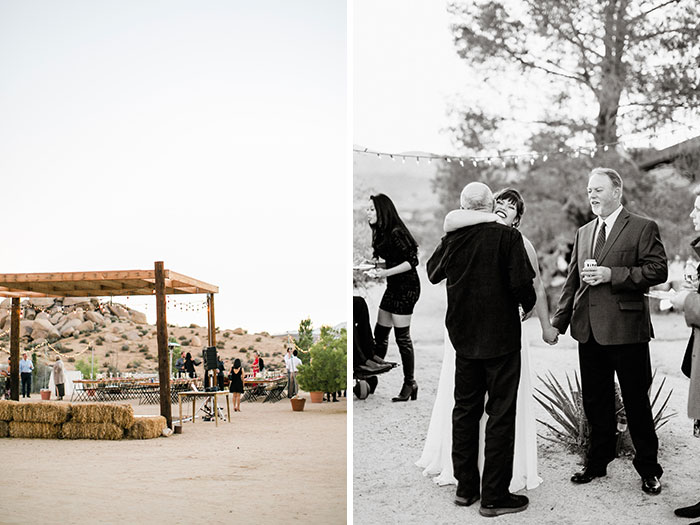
(550, 335)
(596, 276)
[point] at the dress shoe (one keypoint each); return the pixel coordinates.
(587, 475)
(651, 485)
(370, 367)
(465, 501)
(688, 512)
(510, 504)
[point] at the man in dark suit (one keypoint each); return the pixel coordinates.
(608, 314)
(488, 276)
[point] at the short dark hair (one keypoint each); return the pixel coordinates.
(512, 195)
(295, 352)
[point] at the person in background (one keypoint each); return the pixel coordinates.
(294, 367)
(180, 366)
(189, 365)
(25, 369)
(288, 366)
(220, 374)
(235, 385)
(59, 378)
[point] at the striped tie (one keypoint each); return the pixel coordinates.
(599, 243)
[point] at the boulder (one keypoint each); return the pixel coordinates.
(25, 328)
(111, 338)
(86, 326)
(119, 311)
(72, 301)
(95, 317)
(42, 324)
(133, 335)
(69, 327)
(29, 314)
(138, 317)
(3, 316)
(7, 303)
(239, 331)
(196, 341)
(57, 318)
(42, 302)
(78, 313)
(43, 315)
(117, 328)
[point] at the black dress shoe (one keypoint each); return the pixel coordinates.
(370, 367)
(651, 485)
(688, 512)
(511, 503)
(587, 475)
(381, 361)
(465, 501)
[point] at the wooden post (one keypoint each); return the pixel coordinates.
(210, 319)
(14, 350)
(162, 333)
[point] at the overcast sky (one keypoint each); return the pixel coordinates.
(209, 135)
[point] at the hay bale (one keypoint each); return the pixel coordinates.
(4, 429)
(7, 409)
(121, 415)
(147, 427)
(73, 430)
(24, 429)
(42, 412)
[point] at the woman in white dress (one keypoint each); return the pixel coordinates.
(436, 459)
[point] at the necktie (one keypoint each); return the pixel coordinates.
(599, 243)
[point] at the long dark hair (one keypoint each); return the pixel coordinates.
(236, 363)
(387, 220)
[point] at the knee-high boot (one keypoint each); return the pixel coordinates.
(403, 340)
(381, 340)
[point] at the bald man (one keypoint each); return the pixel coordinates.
(488, 277)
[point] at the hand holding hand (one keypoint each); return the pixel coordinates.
(678, 299)
(550, 335)
(596, 276)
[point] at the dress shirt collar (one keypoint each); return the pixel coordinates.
(609, 222)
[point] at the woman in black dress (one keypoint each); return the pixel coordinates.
(392, 242)
(189, 365)
(235, 385)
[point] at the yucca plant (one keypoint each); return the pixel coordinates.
(565, 406)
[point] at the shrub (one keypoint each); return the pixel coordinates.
(182, 338)
(226, 334)
(566, 408)
(71, 359)
(85, 368)
(326, 370)
(258, 339)
(100, 340)
(220, 345)
(84, 341)
(125, 348)
(124, 336)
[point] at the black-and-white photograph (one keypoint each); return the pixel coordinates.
(525, 274)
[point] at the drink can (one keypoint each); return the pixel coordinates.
(590, 264)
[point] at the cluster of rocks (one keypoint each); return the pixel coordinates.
(48, 319)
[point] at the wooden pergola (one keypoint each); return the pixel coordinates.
(159, 282)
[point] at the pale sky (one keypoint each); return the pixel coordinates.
(209, 135)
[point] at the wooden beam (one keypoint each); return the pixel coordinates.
(14, 350)
(162, 333)
(210, 319)
(189, 281)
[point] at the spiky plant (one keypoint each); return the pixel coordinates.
(565, 407)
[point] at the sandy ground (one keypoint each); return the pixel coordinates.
(268, 465)
(388, 439)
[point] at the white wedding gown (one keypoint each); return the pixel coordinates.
(436, 459)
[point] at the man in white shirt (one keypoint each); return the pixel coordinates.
(25, 369)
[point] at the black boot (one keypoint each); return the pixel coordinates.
(407, 390)
(403, 341)
(381, 339)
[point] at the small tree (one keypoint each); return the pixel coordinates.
(305, 339)
(327, 369)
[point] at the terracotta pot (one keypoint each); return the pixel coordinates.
(316, 397)
(45, 394)
(298, 404)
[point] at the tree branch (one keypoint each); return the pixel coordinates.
(645, 13)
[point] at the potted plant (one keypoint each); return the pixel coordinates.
(326, 371)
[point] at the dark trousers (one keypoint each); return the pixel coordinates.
(632, 364)
(26, 383)
(474, 378)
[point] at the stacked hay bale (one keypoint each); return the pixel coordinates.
(97, 421)
(147, 427)
(39, 420)
(6, 412)
(53, 420)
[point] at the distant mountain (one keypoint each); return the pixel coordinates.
(408, 184)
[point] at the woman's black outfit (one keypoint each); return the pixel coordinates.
(402, 293)
(236, 381)
(189, 367)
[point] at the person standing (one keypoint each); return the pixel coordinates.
(189, 365)
(688, 301)
(59, 378)
(488, 277)
(392, 242)
(25, 369)
(180, 366)
(235, 385)
(605, 307)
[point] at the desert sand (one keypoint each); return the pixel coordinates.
(268, 465)
(388, 439)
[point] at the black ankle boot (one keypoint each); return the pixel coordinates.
(403, 341)
(407, 390)
(381, 340)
